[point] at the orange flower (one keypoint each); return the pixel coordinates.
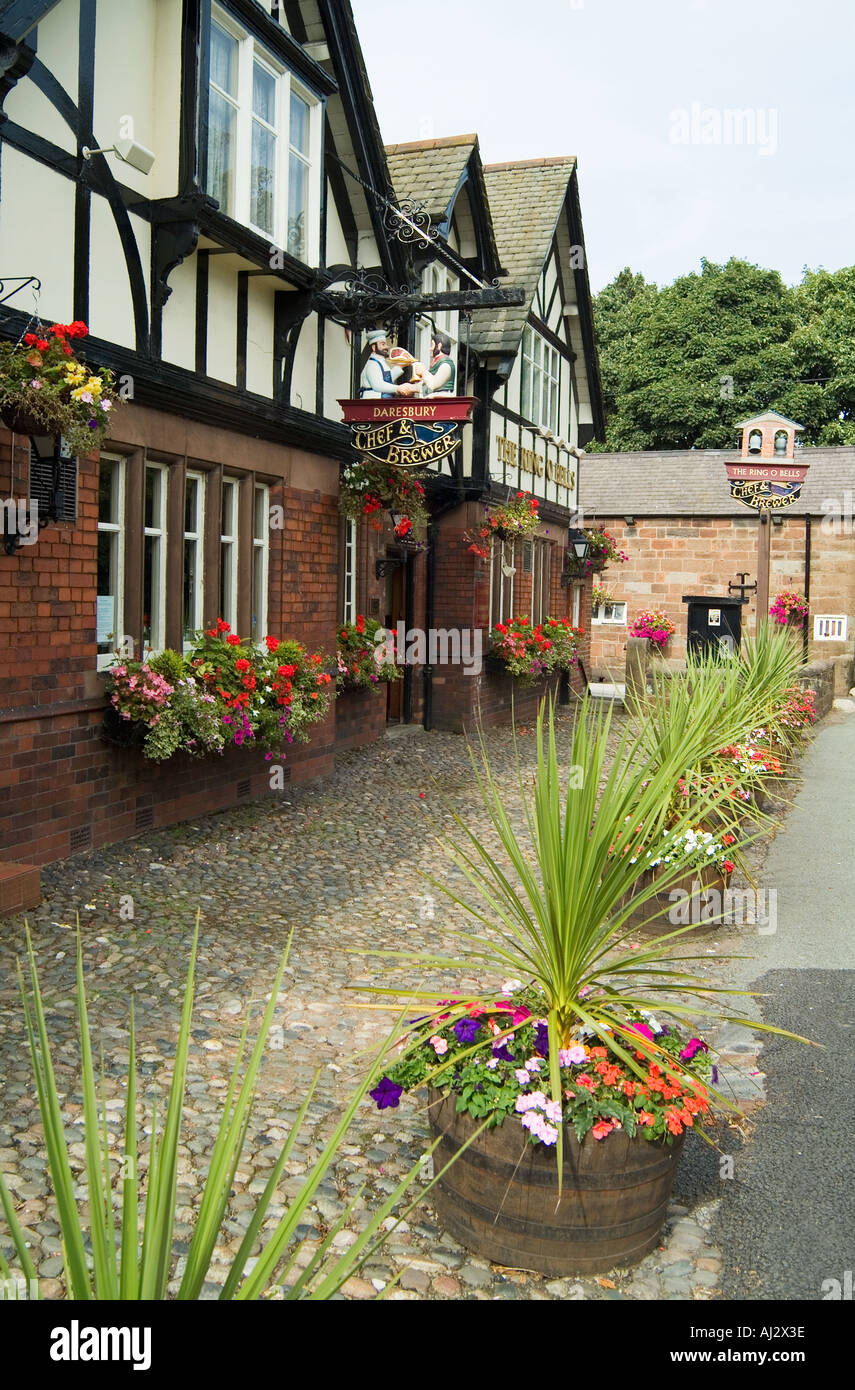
(672, 1119)
(644, 1117)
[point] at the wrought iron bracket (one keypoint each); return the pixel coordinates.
(388, 564)
(22, 281)
(742, 588)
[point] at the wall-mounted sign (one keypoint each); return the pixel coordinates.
(766, 487)
(538, 465)
(714, 617)
(409, 433)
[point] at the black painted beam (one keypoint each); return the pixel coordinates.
(18, 17)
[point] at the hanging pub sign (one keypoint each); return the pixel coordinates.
(766, 487)
(411, 433)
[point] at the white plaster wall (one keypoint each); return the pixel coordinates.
(41, 241)
(179, 317)
(337, 252)
(58, 48)
(303, 381)
(336, 370)
(222, 320)
(110, 305)
(259, 339)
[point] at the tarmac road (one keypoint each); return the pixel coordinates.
(786, 1224)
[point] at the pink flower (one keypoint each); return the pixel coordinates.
(521, 1076)
(533, 1064)
(571, 1056)
(439, 1045)
(602, 1128)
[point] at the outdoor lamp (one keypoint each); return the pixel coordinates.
(129, 151)
(579, 544)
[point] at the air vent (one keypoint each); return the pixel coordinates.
(53, 484)
(144, 819)
(80, 839)
(243, 789)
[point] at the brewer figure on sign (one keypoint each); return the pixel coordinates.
(379, 376)
(441, 378)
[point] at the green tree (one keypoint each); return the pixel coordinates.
(685, 362)
(822, 394)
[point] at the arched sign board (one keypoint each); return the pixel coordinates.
(409, 433)
(766, 487)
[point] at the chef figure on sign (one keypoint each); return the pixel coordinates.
(379, 374)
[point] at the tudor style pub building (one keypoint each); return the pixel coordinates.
(197, 181)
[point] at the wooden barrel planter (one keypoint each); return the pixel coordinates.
(652, 915)
(500, 1198)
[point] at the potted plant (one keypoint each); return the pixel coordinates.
(529, 652)
(45, 388)
(138, 698)
(585, 1060)
(368, 487)
(655, 625)
(789, 609)
(365, 655)
(515, 519)
(270, 694)
(602, 549)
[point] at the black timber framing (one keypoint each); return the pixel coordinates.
(337, 19)
(586, 313)
(82, 190)
(18, 17)
(175, 390)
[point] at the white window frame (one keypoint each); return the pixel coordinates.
(540, 577)
(504, 554)
(610, 614)
(349, 572)
(542, 374)
(577, 604)
(249, 53)
(261, 557)
(157, 618)
(197, 536)
(116, 529)
(229, 552)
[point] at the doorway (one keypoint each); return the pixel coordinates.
(399, 610)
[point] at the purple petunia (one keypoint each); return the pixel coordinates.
(503, 1053)
(692, 1046)
(466, 1029)
(541, 1039)
(387, 1094)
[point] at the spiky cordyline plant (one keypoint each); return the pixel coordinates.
(132, 1254)
(553, 910)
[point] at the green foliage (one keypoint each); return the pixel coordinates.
(130, 1230)
(170, 664)
(671, 357)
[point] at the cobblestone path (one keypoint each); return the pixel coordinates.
(338, 863)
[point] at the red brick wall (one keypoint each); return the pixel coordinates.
(672, 557)
(360, 717)
(62, 787)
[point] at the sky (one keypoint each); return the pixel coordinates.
(703, 128)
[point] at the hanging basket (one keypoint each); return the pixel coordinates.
(19, 421)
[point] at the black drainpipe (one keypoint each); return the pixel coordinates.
(805, 634)
(430, 598)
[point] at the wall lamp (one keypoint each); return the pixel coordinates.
(129, 151)
(630, 520)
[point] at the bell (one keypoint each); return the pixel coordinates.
(781, 444)
(755, 442)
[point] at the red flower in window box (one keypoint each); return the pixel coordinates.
(233, 639)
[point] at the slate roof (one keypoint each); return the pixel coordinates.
(692, 482)
(526, 199)
(429, 170)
